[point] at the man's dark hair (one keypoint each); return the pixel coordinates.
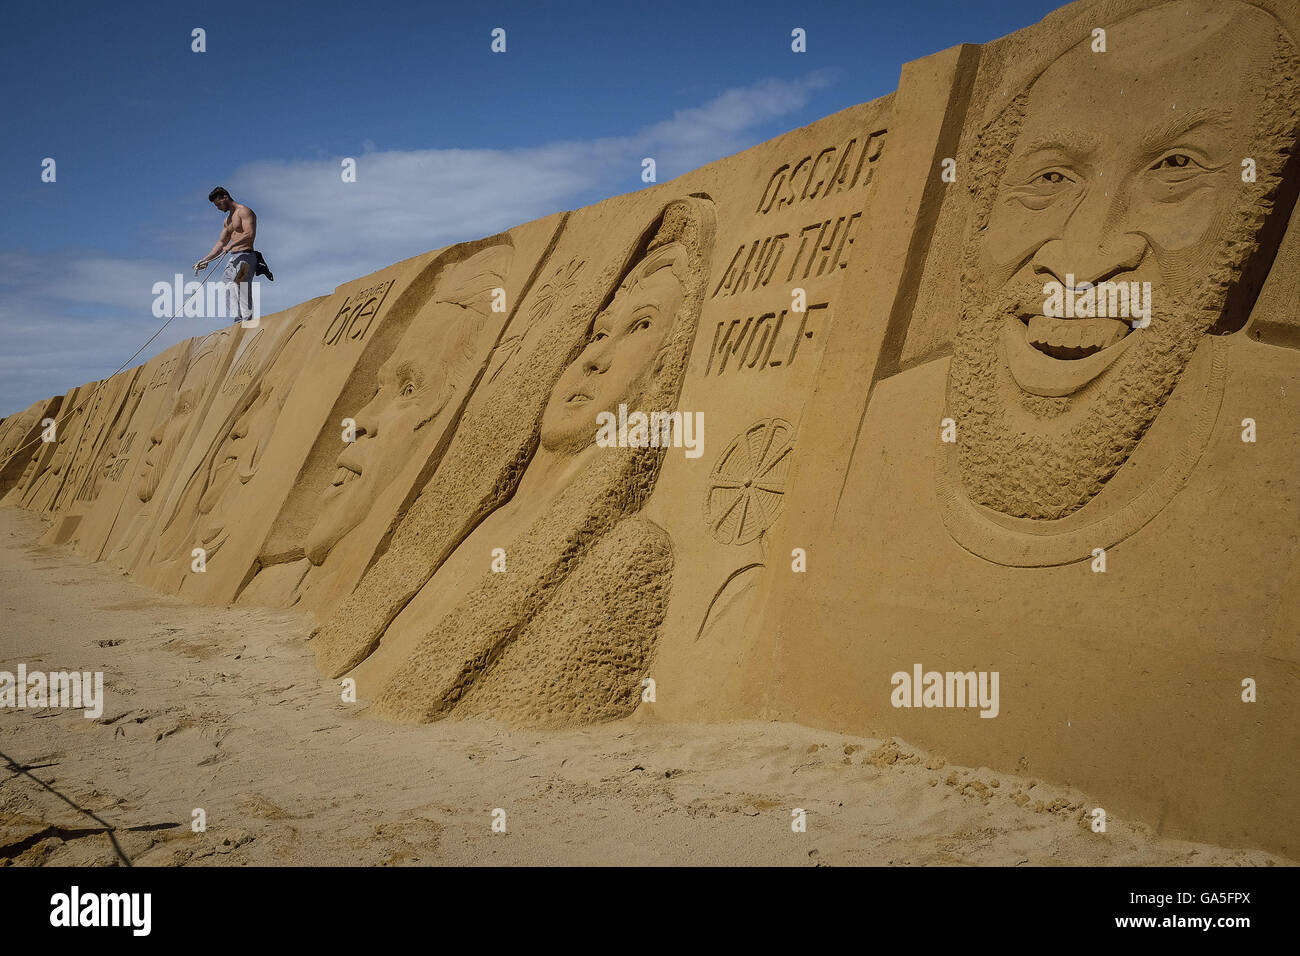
(218, 193)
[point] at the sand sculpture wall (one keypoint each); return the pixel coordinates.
(887, 457)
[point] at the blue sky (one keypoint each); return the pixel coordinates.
(453, 142)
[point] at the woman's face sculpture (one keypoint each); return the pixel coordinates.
(619, 359)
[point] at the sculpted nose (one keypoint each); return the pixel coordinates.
(367, 423)
(596, 361)
(1094, 244)
(240, 428)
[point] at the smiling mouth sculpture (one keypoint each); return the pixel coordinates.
(578, 398)
(1053, 357)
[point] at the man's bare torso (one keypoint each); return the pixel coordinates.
(242, 226)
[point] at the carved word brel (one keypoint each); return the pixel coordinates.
(835, 168)
(357, 313)
(820, 247)
(753, 342)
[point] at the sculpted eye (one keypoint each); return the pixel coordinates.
(641, 323)
(1042, 189)
(407, 380)
(1177, 175)
(598, 335)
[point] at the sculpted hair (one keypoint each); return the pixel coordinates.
(457, 650)
(494, 445)
(473, 282)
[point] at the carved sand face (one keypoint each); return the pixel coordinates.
(413, 387)
(617, 363)
(16, 434)
(162, 442)
(415, 384)
(236, 463)
(240, 454)
(64, 448)
(237, 458)
(1127, 168)
(118, 444)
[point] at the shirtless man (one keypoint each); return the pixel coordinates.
(237, 237)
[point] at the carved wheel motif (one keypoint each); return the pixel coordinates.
(747, 484)
(557, 289)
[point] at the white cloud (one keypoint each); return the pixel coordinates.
(76, 315)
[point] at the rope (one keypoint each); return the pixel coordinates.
(105, 381)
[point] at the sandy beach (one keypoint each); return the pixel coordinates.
(222, 709)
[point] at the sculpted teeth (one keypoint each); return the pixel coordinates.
(1074, 338)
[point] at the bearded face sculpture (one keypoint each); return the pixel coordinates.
(1121, 168)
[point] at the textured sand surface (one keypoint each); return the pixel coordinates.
(472, 468)
(223, 709)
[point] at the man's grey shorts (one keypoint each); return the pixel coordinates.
(239, 304)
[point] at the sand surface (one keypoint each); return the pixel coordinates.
(222, 708)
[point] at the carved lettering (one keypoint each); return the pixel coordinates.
(357, 314)
(772, 189)
(730, 345)
(243, 373)
(849, 165)
(811, 193)
(758, 342)
(164, 373)
(753, 265)
(823, 246)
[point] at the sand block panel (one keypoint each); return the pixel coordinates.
(406, 399)
(152, 390)
(124, 448)
(74, 495)
(170, 439)
(791, 227)
(44, 494)
(103, 406)
(342, 350)
(463, 505)
(39, 481)
(1080, 503)
(216, 459)
(734, 537)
